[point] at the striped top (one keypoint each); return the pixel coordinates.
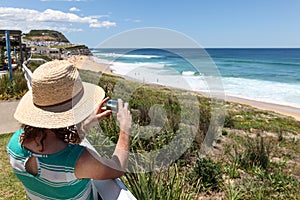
(56, 178)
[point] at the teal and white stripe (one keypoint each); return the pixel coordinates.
(83, 195)
(56, 178)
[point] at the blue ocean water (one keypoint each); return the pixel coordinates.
(268, 75)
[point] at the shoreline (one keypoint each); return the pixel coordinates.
(278, 108)
(88, 63)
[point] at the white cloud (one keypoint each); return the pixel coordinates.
(133, 20)
(27, 19)
(74, 9)
(103, 24)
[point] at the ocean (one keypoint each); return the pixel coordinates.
(266, 75)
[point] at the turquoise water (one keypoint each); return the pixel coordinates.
(269, 75)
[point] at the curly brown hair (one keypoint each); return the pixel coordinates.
(67, 134)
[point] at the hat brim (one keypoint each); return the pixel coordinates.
(59, 116)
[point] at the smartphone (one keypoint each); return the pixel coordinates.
(112, 105)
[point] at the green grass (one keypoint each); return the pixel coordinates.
(255, 156)
(10, 186)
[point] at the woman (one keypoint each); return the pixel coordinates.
(45, 154)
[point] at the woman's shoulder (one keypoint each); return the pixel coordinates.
(14, 147)
(15, 139)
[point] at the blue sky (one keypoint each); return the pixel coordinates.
(212, 23)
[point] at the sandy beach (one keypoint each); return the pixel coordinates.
(87, 63)
(281, 109)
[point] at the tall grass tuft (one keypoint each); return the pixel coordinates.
(13, 89)
(164, 184)
(256, 153)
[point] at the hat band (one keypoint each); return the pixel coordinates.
(63, 106)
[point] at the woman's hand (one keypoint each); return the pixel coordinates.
(124, 117)
(99, 114)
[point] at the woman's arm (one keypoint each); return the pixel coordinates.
(89, 166)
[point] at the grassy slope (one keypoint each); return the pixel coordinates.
(244, 130)
(267, 144)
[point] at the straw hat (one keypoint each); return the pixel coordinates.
(58, 97)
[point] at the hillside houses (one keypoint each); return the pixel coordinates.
(52, 44)
(61, 52)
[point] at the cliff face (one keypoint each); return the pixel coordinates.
(77, 50)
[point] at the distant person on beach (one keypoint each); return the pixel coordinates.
(46, 154)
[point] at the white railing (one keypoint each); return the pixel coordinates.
(27, 71)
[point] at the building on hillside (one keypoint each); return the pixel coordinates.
(53, 53)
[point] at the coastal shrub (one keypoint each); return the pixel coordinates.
(204, 122)
(256, 153)
(163, 113)
(229, 120)
(206, 174)
(249, 158)
(108, 83)
(156, 106)
(250, 152)
(13, 89)
(164, 184)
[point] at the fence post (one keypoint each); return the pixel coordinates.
(8, 54)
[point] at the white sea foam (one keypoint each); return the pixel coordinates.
(266, 91)
(126, 68)
(188, 73)
(259, 90)
(156, 73)
(117, 55)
